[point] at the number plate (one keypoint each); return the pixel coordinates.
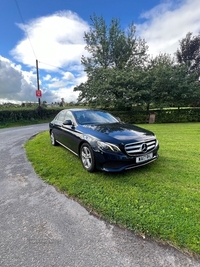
(144, 158)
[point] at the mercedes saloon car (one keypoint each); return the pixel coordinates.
(102, 141)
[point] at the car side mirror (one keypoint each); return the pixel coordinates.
(118, 118)
(67, 122)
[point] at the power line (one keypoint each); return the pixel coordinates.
(20, 13)
(25, 28)
(53, 66)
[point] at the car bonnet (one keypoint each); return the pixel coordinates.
(119, 132)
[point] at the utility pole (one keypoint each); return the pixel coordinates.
(38, 84)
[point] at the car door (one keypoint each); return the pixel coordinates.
(70, 136)
(57, 125)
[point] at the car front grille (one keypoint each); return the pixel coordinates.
(140, 147)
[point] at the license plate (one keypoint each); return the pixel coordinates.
(144, 158)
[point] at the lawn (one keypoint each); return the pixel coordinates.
(160, 200)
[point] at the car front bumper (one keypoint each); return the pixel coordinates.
(111, 162)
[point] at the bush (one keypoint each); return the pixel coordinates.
(131, 116)
(161, 116)
(17, 115)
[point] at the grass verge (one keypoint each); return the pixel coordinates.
(160, 200)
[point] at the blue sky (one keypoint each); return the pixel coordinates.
(55, 38)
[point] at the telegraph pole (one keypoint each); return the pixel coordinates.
(38, 84)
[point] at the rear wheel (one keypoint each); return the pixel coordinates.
(53, 140)
(87, 157)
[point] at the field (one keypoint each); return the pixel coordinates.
(160, 200)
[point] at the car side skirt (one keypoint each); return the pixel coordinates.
(67, 148)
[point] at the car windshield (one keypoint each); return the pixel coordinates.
(93, 117)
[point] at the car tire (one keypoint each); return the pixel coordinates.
(53, 140)
(87, 157)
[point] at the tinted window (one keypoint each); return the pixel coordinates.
(60, 116)
(69, 116)
(94, 117)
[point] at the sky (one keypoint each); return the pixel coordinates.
(51, 32)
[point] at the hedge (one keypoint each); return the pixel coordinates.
(161, 116)
(16, 115)
(132, 116)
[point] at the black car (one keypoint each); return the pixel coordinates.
(102, 141)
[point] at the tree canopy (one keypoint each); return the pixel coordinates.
(115, 53)
(189, 52)
(121, 73)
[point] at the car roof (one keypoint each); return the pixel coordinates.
(76, 109)
(81, 109)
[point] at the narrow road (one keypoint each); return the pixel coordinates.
(40, 227)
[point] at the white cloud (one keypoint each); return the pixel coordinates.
(68, 76)
(166, 24)
(17, 85)
(47, 77)
(57, 84)
(12, 81)
(63, 86)
(55, 40)
(57, 43)
(68, 94)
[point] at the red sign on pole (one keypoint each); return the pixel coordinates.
(38, 93)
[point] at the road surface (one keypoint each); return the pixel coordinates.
(40, 227)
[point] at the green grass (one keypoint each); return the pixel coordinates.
(160, 200)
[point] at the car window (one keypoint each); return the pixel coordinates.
(69, 116)
(60, 116)
(94, 117)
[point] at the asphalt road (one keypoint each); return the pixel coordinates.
(40, 227)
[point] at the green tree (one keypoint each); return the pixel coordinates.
(171, 84)
(189, 52)
(164, 83)
(186, 87)
(114, 56)
(44, 103)
(153, 82)
(188, 58)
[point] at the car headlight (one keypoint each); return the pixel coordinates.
(108, 147)
(157, 143)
